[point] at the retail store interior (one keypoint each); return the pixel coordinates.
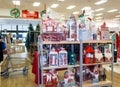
(59, 43)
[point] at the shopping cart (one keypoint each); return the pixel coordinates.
(14, 63)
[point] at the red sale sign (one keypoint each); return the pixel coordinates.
(30, 14)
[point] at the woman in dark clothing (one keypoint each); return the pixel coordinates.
(1, 49)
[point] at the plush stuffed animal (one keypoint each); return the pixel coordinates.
(102, 74)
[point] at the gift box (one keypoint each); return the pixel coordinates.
(105, 33)
(52, 36)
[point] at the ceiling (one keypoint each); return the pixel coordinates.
(27, 4)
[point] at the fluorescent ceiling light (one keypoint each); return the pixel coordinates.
(100, 9)
(63, 18)
(71, 7)
(54, 5)
(116, 19)
(76, 12)
(100, 2)
(86, 8)
(117, 16)
(98, 18)
(61, 0)
(113, 10)
(36, 4)
(62, 15)
(16, 2)
(99, 14)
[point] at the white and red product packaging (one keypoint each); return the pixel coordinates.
(53, 58)
(63, 59)
(105, 33)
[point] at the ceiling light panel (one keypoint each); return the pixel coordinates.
(36, 4)
(76, 12)
(99, 14)
(117, 16)
(71, 7)
(54, 5)
(16, 2)
(113, 10)
(61, 0)
(100, 2)
(97, 18)
(100, 9)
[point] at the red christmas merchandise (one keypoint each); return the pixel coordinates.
(35, 67)
(53, 36)
(53, 58)
(48, 24)
(104, 32)
(69, 79)
(63, 60)
(50, 78)
(89, 55)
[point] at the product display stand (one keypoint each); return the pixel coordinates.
(80, 65)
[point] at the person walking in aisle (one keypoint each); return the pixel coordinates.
(1, 50)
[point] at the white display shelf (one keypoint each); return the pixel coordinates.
(69, 66)
(77, 42)
(99, 84)
(60, 67)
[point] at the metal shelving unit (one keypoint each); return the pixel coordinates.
(80, 65)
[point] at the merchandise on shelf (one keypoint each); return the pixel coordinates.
(69, 80)
(44, 58)
(89, 55)
(72, 58)
(96, 74)
(50, 78)
(71, 26)
(52, 36)
(63, 59)
(104, 34)
(53, 58)
(102, 74)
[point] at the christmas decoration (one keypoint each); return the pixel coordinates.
(71, 26)
(30, 37)
(15, 12)
(50, 78)
(89, 55)
(102, 74)
(53, 58)
(69, 80)
(63, 60)
(72, 58)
